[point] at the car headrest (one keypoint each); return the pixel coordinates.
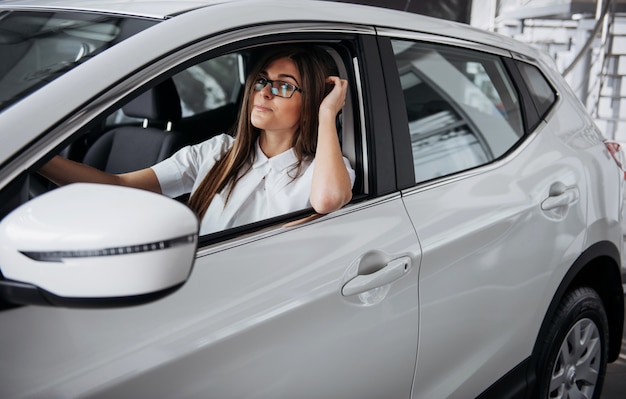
(161, 103)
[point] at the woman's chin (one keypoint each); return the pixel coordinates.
(258, 122)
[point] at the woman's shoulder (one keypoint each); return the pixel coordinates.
(219, 140)
(215, 145)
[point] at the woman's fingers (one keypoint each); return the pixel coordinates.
(336, 99)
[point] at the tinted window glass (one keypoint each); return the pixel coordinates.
(37, 47)
(210, 84)
(207, 86)
(539, 88)
(462, 109)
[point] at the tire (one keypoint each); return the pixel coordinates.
(573, 354)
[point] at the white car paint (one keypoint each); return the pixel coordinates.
(275, 301)
(55, 243)
(265, 314)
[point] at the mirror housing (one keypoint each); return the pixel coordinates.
(94, 245)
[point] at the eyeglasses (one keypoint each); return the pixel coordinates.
(277, 87)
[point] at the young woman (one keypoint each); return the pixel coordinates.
(284, 153)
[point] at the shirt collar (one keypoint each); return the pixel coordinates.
(278, 162)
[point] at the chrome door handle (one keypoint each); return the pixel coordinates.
(388, 274)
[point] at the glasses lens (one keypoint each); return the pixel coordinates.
(277, 87)
(285, 89)
(260, 84)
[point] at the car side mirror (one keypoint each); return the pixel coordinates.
(94, 245)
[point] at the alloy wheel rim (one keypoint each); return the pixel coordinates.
(576, 370)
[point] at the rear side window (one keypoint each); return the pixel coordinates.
(542, 93)
(462, 108)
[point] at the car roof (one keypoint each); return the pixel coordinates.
(320, 10)
(159, 9)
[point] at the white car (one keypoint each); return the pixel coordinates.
(618, 150)
(479, 256)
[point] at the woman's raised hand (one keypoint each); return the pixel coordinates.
(336, 99)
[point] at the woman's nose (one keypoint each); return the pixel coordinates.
(267, 91)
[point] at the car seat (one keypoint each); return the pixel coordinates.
(128, 148)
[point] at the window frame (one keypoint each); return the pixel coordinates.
(531, 106)
(369, 119)
(400, 123)
(369, 122)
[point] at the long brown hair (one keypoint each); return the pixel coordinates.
(314, 65)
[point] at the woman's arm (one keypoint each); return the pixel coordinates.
(63, 171)
(331, 188)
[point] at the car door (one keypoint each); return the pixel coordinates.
(320, 306)
(497, 208)
(260, 316)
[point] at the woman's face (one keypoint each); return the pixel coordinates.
(274, 114)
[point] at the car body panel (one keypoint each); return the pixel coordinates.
(275, 301)
(479, 229)
(142, 8)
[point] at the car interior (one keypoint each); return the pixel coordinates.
(190, 107)
(115, 151)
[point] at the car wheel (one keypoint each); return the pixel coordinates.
(574, 349)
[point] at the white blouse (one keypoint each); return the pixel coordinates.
(266, 190)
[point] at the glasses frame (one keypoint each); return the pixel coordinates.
(261, 82)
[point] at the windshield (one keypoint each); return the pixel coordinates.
(37, 47)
